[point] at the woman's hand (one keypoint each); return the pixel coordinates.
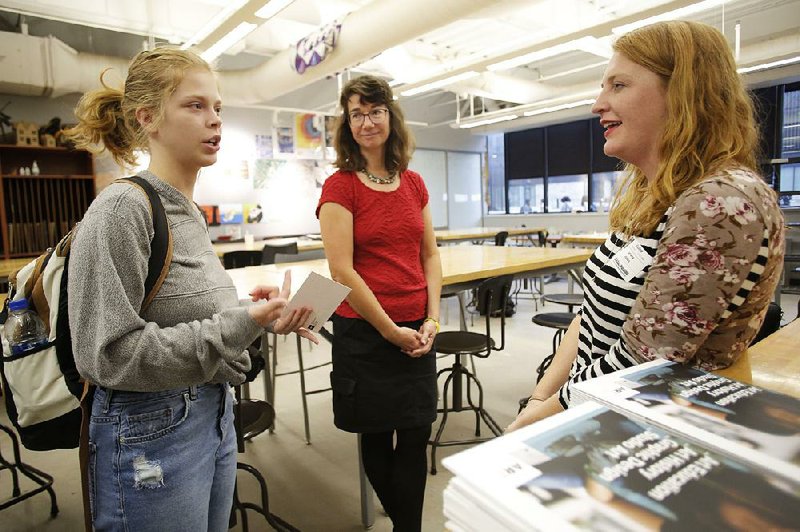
(427, 332)
(293, 321)
(534, 411)
(408, 340)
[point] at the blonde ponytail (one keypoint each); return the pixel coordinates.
(101, 125)
(107, 116)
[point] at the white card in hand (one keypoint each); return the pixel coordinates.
(322, 295)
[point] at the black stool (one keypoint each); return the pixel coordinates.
(492, 296)
(40, 478)
(556, 320)
(252, 417)
(570, 300)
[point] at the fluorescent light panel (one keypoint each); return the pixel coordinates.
(572, 71)
(570, 105)
(272, 8)
(440, 83)
(587, 44)
(488, 121)
(767, 66)
(542, 111)
(214, 23)
(232, 37)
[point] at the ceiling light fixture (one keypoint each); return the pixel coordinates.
(440, 83)
(570, 105)
(679, 13)
(214, 23)
(272, 8)
(536, 108)
(232, 37)
(572, 71)
(488, 121)
(767, 66)
(588, 44)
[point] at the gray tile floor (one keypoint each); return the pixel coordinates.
(315, 487)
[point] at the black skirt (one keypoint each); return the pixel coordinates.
(377, 388)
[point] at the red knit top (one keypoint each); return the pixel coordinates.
(387, 240)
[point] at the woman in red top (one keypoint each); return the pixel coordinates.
(378, 235)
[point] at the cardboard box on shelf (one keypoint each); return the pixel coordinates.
(27, 134)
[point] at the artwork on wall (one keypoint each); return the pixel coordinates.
(330, 129)
(211, 214)
(263, 146)
(231, 213)
(285, 139)
(308, 135)
(253, 213)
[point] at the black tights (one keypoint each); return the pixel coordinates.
(398, 473)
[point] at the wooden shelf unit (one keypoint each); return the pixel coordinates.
(36, 211)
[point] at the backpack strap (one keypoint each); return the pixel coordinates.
(83, 451)
(160, 246)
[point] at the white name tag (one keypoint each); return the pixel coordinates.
(631, 260)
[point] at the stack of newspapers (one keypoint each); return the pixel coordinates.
(657, 447)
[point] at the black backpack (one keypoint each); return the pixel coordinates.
(42, 387)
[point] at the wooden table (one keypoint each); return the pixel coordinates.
(8, 266)
(483, 233)
(773, 363)
(462, 266)
(303, 244)
(591, 239)
(442, 236)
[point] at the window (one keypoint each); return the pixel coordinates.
(603, 190)
(790, 147)
(568, 193)
(790, 182)
(521, 191)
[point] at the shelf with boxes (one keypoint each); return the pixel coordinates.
(36, 211)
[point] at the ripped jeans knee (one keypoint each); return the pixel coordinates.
(147, 473)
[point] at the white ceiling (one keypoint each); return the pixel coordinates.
(413, 43)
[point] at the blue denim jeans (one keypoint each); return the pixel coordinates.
(162, 460)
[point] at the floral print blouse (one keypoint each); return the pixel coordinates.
(717, 257)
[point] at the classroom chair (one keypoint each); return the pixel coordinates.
(270, 250)
(492, 296)
(241, 259)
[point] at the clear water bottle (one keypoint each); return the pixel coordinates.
(24, 330)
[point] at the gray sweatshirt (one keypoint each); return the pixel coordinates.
(193, 332)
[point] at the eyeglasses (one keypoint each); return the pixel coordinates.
(376, 116)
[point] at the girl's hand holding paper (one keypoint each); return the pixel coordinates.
(276, 301)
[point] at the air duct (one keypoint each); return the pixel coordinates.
(45, 66)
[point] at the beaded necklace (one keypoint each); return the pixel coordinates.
(380, 180)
